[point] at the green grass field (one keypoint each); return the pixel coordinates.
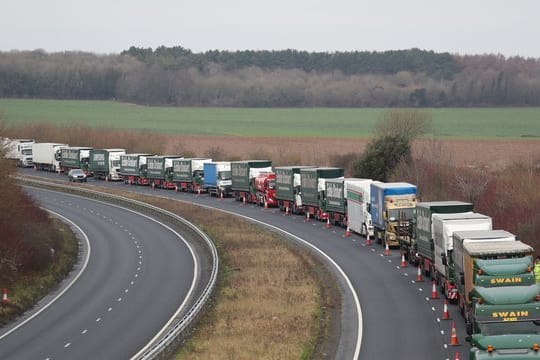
(306, 122)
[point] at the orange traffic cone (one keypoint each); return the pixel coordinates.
(287, 210)
(348, 231)
(386, 250)
(221, 195)
(368, 240)
(328, 226)
(307, 216)
(434, 293)
(403, 261)
(454, 339)
(265, 204)
(445, 314)
(4, 297)
(419, 276)
(456, 356)
(198, 191)
(244, 200)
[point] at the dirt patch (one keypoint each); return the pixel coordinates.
(322, 151)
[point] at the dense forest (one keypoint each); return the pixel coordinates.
(287, 78)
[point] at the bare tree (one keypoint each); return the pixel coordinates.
(409, 123)
(472, 183)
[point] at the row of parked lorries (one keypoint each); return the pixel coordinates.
(487, 272)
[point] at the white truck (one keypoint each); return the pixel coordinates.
(19, 151)
(358, 215)
(444, 226)
(46, 156)
(105, 163)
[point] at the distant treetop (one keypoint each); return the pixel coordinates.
(437, 65)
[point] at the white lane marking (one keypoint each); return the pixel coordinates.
(98, 319)
(68, 286)
(84, 331)
(67, 345)
(119, 299)
(109, 309)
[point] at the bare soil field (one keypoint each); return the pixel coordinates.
(493, 154)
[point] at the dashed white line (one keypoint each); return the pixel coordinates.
(67, 345)
(98, 319)
(119, 299)
(109, 309)
(84, 331)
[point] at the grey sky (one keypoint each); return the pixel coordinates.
(110, 26)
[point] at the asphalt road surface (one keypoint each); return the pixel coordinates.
(138, 274)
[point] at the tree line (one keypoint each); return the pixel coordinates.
(289, 78)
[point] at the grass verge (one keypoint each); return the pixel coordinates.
(28, 289)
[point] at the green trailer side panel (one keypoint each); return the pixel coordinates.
(335, 197)
(182, 170)
(129, 165)
(285, 182)
(240, 172)
(155, 167)
(310, 182)
(70, 157)
(99, 160)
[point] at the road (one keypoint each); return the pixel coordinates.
(138, 274)
(399, 318)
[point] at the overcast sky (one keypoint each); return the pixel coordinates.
(110, 26)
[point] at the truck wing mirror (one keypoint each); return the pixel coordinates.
(444, 261)
(368, 207)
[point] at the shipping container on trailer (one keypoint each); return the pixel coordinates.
(312, 187)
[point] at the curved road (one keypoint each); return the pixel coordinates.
(399, 319)
(138, 274)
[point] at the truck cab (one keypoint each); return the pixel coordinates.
(265, 187)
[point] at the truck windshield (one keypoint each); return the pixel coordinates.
(271, 184)
(224, 175)
(502, 328)
(26, 151)
(116, 163)
(401, 214)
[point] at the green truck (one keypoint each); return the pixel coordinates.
(312, 189)
(105, 163)
(75, 157)
(188, 174)
(133, 168)
(243, 174)
(160, 171)
(497, 294)
(288, 183)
